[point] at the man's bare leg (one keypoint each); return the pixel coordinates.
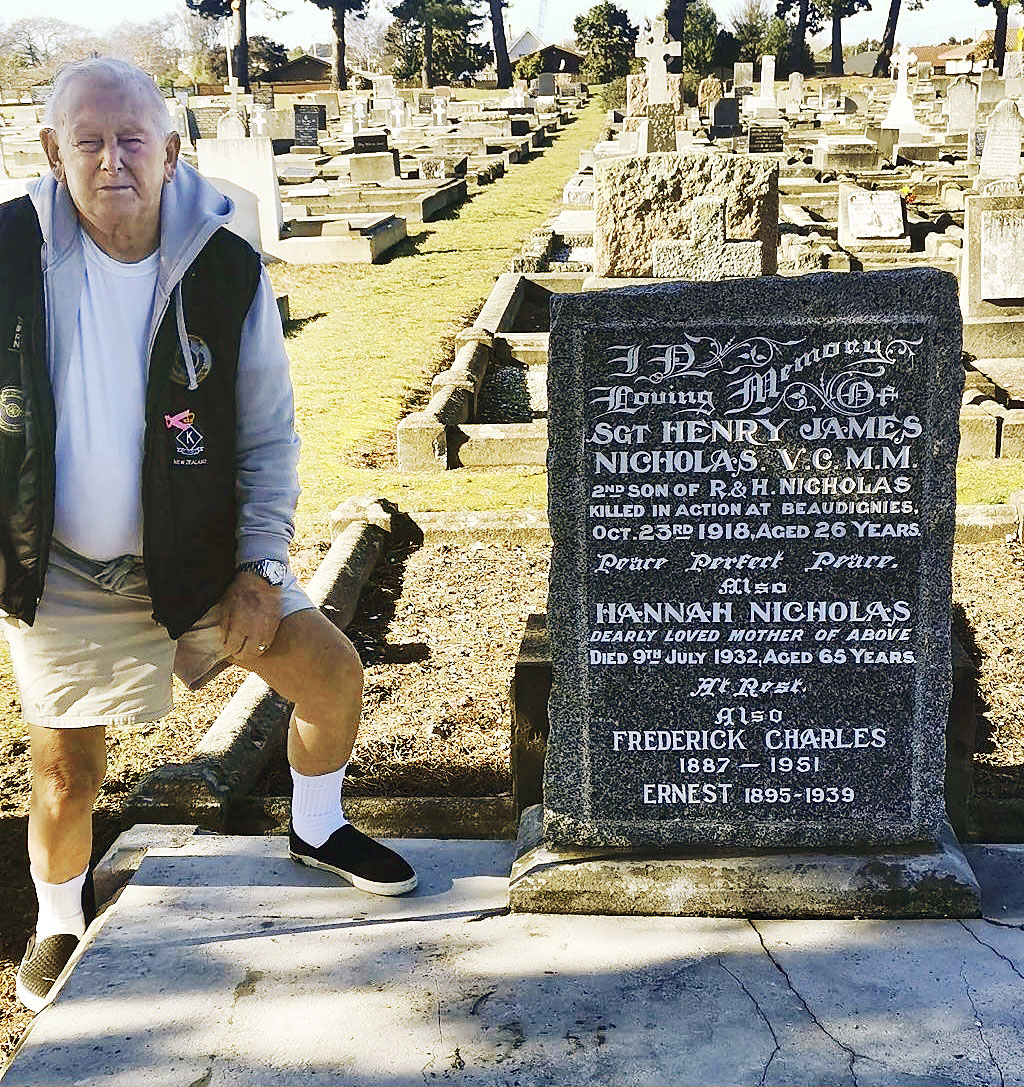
(68, 765)
(314, 665)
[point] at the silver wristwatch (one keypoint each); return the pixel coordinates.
(272, 571)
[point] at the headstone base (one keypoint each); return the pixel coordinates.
(900, 882)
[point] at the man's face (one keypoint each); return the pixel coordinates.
(112, 157)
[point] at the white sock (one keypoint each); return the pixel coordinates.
(316, 805)
(60, 907)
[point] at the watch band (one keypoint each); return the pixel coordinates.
(273, 571)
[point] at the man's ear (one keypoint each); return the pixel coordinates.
(171, 157)
(48, 138)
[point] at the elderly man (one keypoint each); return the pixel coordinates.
(147, 487)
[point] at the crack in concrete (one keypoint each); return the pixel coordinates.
(1002, 924)
(851, 1053)
(501, 911)
(764, 1017)
(1009, 962)
(980, 1026)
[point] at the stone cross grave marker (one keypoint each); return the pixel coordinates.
(901, 113)
(656, 52)
(439, 112)
(360, 114)
(752, 504)
(258, 122)
(231, 126)
(1000, 156)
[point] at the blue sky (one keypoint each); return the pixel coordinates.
(305, 23)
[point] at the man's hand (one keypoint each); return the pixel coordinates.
(250, 612)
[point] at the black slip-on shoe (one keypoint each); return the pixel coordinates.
(44, 961)
(42, 965)
(355, 857)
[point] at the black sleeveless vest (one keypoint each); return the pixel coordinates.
(188, 475)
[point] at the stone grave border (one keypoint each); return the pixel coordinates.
(435, 439)
(210, 789)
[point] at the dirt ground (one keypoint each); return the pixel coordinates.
(438, 632)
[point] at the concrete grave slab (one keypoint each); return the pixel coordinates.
(224, 963)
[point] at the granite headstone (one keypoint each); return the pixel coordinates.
(725, 118)
(752, 499)
(764, 139)
(307, 124)
(371, 141)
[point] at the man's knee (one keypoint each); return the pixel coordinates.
(67, 775)
(60, 784)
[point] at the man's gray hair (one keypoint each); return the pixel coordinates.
(105, 70)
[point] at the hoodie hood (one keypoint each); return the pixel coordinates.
(191, 211)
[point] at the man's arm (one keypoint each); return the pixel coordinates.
(267, 484)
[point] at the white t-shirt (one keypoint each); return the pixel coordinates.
(101, 409)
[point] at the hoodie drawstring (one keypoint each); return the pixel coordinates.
(186, 349)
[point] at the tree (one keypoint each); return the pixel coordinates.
(840, 10)
(607, 40)
(435, 37)
(150, 45)
(365, 40)
(236, 10)
(675, 20)
(502, 64)
(752, 26)
(882, 61)
(1002, 19)
(339, 9)
(808, 21)
(530, 66)
(264, 56)
(700, 37)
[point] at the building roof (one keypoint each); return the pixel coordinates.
(526, 43)
(302, 69)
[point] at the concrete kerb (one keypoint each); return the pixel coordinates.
(423, 444)
(236, 748)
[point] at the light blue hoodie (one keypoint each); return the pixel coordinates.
(191, 210)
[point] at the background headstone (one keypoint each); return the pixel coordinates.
(961, 105)
(725, 118)
(742, 75)
(764, 139)
(1001, 154)
(307, 125)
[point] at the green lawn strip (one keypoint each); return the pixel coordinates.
(367, 339)
(987, 482)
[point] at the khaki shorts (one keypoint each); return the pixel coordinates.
(95, 655)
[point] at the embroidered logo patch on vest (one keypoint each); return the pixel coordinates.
(12, 410)
(188, 440)
(202, 360)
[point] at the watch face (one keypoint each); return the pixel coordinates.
(273, 571)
